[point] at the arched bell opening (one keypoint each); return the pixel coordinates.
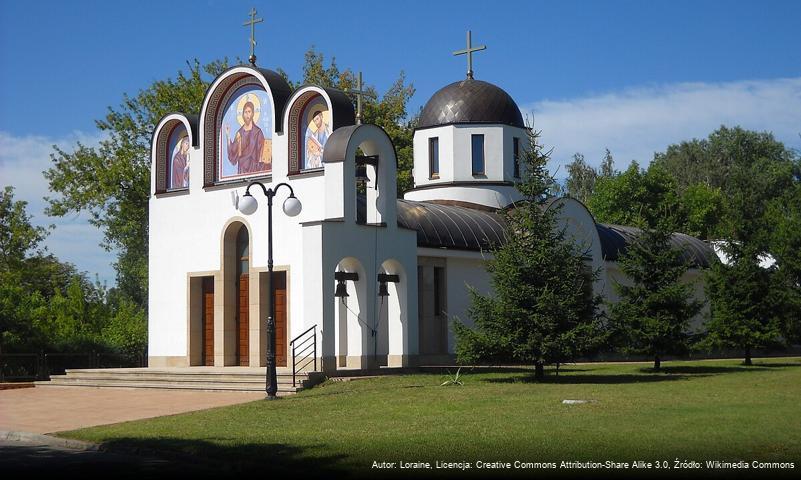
(353, 332)
(392, 313)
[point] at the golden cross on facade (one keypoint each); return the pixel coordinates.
(469, 52)
(252, 24)
(359, 94)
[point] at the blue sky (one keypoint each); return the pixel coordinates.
(633, 76)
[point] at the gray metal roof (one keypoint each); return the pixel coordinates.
(451, 226)
(615, 239)
(464, 228)
(470, 101)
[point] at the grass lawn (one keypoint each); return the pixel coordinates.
(704, 410)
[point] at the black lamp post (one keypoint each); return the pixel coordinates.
(292, 207)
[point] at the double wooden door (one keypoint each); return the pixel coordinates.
(208, 321)
(243, 320)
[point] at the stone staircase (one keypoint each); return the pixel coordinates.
(238, 379)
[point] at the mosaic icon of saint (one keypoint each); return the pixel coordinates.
(180, 164)
(245, 149)
(316, 135)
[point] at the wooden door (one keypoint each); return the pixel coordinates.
(279, 289)
(243, 329)
(208, 321)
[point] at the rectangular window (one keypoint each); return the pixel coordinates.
(478, 154)
(516, 156)
(433, 157)
(439, 287)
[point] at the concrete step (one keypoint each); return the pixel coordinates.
(172, 377)
(209, 387)
(193, 378)
(211, 371)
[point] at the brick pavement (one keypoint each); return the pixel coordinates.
(56, 409)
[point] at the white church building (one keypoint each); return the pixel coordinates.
(375, 280)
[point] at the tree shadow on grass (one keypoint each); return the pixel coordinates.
(591, 379)
(714, 369)
(772, 365)
(698, 370)
(445, 370)
(278, 459)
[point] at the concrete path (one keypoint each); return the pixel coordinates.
(57, 409)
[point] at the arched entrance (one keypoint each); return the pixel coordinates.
(242, 297)
(235, 296)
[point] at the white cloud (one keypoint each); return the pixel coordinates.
(22, 161)
(637, 122)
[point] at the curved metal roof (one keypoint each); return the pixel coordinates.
(615, 239)
(451, 226)
(470, 101)
(464, 228)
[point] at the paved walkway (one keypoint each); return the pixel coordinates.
(56, 409)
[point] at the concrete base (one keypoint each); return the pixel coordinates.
(161, 362)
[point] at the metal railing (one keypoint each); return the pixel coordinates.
(39, 366)
(301, 356)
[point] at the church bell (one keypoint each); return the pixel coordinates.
(341, 290)
(361, 175)
(382, 289)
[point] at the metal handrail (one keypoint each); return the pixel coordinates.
(42, 365)
(295, 344)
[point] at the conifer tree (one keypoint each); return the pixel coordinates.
(542, 310)
(653, 314)
(748, 308)
(754, 306)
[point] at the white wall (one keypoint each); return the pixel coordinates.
(613, 276)
(495, 196)
(186, 236)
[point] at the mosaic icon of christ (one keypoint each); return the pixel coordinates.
(248, 150)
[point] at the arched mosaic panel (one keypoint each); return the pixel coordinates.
(245, 135)
(172, 155)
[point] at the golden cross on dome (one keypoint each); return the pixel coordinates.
(359, 94)
(469, 52)
(252, 24)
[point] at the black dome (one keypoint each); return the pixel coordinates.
(470, 101)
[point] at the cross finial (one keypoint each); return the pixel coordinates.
(469, 52)
(359, 94)
(252, 24)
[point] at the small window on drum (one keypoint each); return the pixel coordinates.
(433, 157)
(477, 143)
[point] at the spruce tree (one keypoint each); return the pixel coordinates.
(748, 304)
(653, 314)
(542, 310)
